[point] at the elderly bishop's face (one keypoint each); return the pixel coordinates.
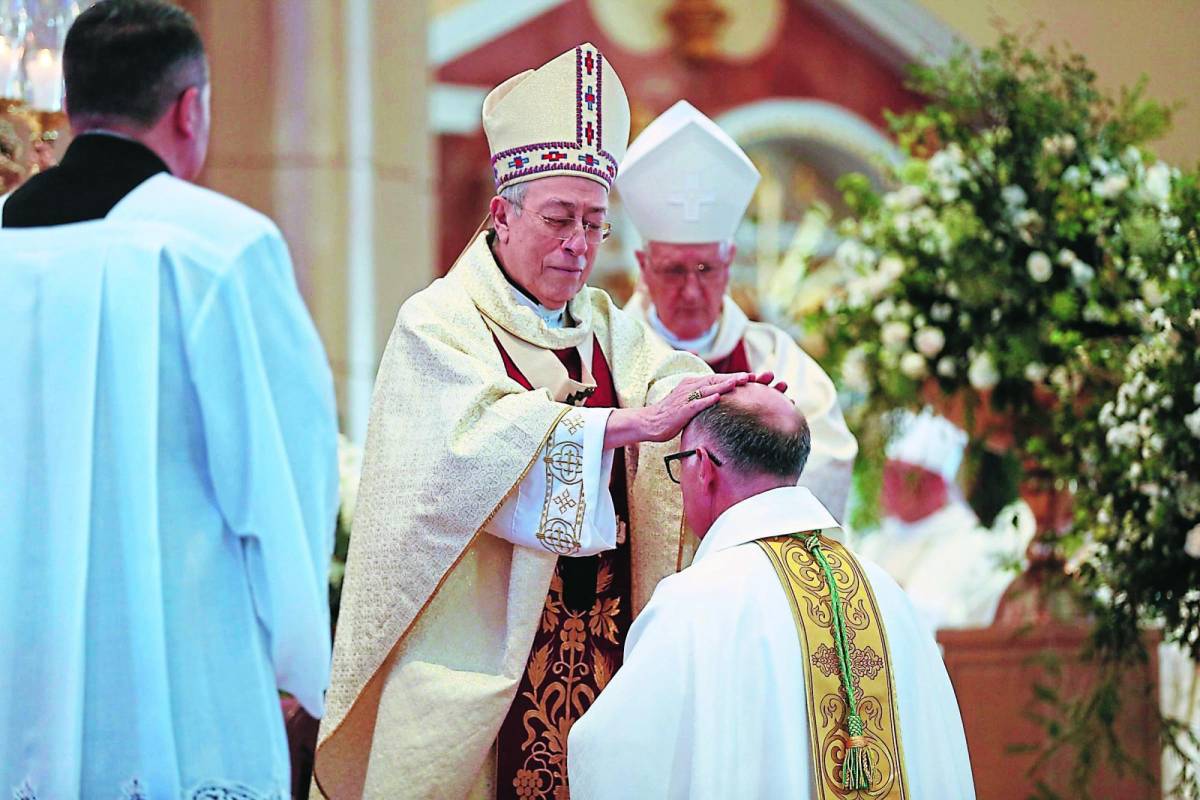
(687, 283)
(549, 244)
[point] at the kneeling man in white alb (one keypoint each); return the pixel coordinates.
(779, 664)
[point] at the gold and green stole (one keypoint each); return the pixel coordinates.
(853, 721)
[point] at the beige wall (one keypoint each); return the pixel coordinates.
(1121, 39)
(325, 130)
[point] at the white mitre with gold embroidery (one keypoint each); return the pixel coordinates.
(568, 117)
(685, 181)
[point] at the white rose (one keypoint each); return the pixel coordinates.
(1072, 176)
(913, 365)
(849, 254)
(1192, 545)
(1066, 257)
(1196, 394)
(883, 310)
(930, 341)
(1192, 421)
(856, 297)
(1035, 372)
(1014, 196)
(1157, 186)
(1110, 186)
(894, 335)
(947, 367)
(1122, 436)
(1027, 221)
(1153, 294)
(854, 371)
(1039, 266)
(891, 267)
(942, 312)
(1081, 272)
(876, 284)
(1066, 144)
(904, 197)
(982, 373)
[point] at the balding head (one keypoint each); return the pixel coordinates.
(752, 441)
(757, 429)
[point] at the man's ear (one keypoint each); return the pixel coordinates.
(708, 470)
(498, 209)
(642, 258)
(189, 112)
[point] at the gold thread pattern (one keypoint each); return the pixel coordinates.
(560, 530)
(577, 656)
(870, 668)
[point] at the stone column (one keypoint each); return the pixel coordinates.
(320, 121)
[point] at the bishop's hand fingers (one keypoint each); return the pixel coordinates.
(781, 387)
(726, 382)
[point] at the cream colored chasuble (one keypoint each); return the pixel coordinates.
(439, 610)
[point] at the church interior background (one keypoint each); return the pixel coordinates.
(355, 124)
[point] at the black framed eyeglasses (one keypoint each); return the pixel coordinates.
(672, 461)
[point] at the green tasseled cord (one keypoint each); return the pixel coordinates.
(856, 770)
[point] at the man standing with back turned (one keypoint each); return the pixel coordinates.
(686, 185)
(779, 664)
(212, 494)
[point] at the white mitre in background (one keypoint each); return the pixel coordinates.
(686, 181)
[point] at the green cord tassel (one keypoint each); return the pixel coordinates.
(856, 769)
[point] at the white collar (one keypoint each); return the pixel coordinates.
(701, 344)
(553, 317)
(107, 132)
(788, 509)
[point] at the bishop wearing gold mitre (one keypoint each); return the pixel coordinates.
(514, 511)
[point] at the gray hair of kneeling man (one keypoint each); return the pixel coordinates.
(756, 438)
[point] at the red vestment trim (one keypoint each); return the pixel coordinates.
(580, 639)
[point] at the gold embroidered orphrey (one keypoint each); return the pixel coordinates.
(561, 532)
(874, 684)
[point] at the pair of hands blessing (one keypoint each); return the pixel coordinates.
(662, 421)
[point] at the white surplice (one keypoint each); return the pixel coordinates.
(831, 459)
(710, 702)
(168, 490)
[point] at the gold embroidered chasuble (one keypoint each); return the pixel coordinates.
(868, 667)
(437, 616)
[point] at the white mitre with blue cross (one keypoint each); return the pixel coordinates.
(686, 181)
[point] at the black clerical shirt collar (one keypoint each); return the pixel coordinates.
(95, 146)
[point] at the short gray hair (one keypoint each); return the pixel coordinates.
(751, 445)
(514, 193)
